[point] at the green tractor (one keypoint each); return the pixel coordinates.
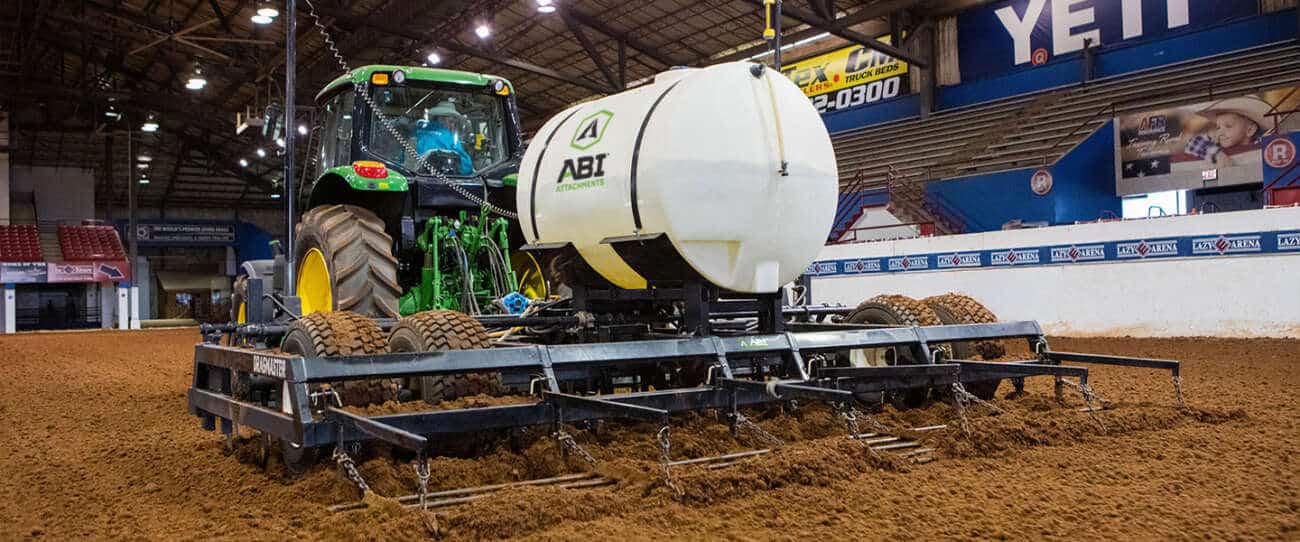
(415, 171)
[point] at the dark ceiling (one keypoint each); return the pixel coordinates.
(64, 63)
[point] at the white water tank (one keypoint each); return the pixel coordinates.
(725, 173)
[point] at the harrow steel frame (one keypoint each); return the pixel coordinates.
(741, 367)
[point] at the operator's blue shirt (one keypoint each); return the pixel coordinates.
(432, 136)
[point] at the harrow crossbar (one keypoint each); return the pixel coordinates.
(975, 371)
(1122, 361)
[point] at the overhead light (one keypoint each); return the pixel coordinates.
(302, 129)
(150, 125)
(144, 180)
(268, 11)
(112, 113)
(142, 165)
(433, 59)
(279, 141)
(261, 153)
(261, 19)
(243, 162)
(275, 195)
(483, 31)
(144, 158)
(545, 6)
(197, 80)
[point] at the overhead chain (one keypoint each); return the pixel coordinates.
(759, 432)
(568, 443)
(363, 91)
(850, 416)
(665, 448)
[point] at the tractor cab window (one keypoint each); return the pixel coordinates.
(452, 131)
(335, 146)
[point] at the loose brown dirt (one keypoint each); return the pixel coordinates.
(99, 445)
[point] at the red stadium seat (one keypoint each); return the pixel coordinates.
(20, 243)
(87, 243)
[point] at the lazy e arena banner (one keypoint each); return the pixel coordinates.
(1013, 34)
(1216, 143)
(848, 77)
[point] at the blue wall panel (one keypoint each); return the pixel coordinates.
(1084, 187)
(896, 109)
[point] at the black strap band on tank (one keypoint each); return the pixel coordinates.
(532, 190)
(636, 155)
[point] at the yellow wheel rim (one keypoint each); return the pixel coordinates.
(242, 316)
(314, 285)
(531, 282)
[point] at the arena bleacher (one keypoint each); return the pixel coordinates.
(1036, 129)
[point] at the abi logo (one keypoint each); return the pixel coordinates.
(591, 130)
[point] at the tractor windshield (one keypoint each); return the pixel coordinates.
(453, 131)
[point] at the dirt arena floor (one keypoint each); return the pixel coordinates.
(99, 445)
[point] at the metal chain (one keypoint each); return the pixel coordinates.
(959, 389)
(1088, 397)
(349, 468)
(959, 402)
(364, 91)
(568, 443)
(665, 447)
(1178, 390)
(759, 432)
(422, 477)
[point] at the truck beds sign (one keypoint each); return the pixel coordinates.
(171, 233)
(1011, 34)
(848, 77)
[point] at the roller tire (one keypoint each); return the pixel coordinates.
(440, 330)
(330, 334)
(358, 254)
(969, 311)
(898, 310)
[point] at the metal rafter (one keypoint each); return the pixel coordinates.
(576, 29)
(839, 29)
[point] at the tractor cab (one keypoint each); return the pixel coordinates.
(415, 130)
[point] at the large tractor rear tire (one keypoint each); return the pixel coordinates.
(963, 309)
(336, 334)
(345, 262)
(897, 310)
(438, 330)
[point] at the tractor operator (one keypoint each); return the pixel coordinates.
(440, 131)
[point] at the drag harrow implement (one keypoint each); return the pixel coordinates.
(744, 371)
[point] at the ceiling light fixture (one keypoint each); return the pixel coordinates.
(243, 162)
(144, 158)
(302, 129)
(483, 31)
(197, 80)
(261, 19)
(545, 6)
(261, 153)
(433, 59)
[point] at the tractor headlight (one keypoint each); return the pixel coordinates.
(399, 77)
(500, 88)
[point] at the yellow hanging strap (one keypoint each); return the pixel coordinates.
(768, 32)
(776, 117)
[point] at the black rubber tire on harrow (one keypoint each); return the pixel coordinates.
(966, 310)
(328, 334)
(359, 255)
(898, 310)
(437, 330)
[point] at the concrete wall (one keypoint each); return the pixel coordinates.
(1222, 296)
(61, 194)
